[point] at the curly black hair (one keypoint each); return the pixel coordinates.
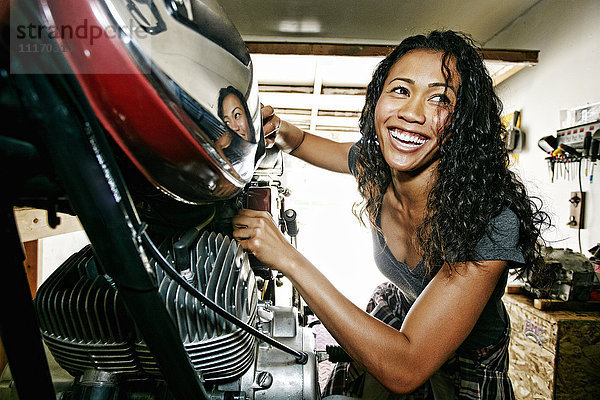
(473, 183)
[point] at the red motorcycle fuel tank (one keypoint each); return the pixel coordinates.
(163, 78)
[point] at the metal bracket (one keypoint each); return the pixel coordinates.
(576, 212)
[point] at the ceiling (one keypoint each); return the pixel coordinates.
(369, 21)
(325, 94)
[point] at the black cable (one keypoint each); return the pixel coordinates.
(580, 221)
(301, 357)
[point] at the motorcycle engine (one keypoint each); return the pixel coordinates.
(88, 330)
(133, 137)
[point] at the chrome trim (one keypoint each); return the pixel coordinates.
(183, 78)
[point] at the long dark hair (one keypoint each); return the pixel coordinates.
(473, 183)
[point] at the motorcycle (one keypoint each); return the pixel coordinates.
(125, 115)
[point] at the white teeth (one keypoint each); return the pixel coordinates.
(406, 137)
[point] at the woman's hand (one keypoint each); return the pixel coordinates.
(271, 124)
(285, 136)
(256, 232)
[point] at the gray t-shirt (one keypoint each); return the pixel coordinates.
(501, 244)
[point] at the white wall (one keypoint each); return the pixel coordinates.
(329, 234)
(55, 250)
(567, 33)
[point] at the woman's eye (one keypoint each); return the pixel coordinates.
(237, 115)
(441, 98)
(401, 90)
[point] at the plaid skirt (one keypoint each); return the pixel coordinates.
(475, 375)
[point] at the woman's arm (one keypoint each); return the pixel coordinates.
(313, 149)
(439, 321)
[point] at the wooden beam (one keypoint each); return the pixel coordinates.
(318, 49)
(508, 73)
(31, 264)
(33, 224)
(559, 305)
(511, 56)
(331, 49)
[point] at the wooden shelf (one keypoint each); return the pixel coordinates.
(32, 224)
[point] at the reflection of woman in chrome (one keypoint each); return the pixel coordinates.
(234, 112)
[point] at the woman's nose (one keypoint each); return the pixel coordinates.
(234, 126)
(413, 110)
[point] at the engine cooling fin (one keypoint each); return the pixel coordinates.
(86, 326)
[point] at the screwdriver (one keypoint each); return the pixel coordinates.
(587, 143)
(594, 156)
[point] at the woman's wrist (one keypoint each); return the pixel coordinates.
(299, 143)
(291, 263)
(289, 138)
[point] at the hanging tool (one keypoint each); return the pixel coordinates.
(548, 144)
(513, 134)
(569, 150)
(587, 144)
(551, 163)
(594, 155)
(573, 156)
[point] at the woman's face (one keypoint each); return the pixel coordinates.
(413, 107)
(235, 117)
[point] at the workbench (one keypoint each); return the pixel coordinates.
(553, 354)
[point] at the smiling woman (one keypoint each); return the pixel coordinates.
(449, 221)
(412, 109)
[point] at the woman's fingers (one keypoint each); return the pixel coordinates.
(247, 218)
(271, 127)
(257, 233)
(243, 233)
(271, 124)
(254, 213)
(266, 111)
(268, 115)
(249, 239)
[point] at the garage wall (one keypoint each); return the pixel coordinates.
(567, 33)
